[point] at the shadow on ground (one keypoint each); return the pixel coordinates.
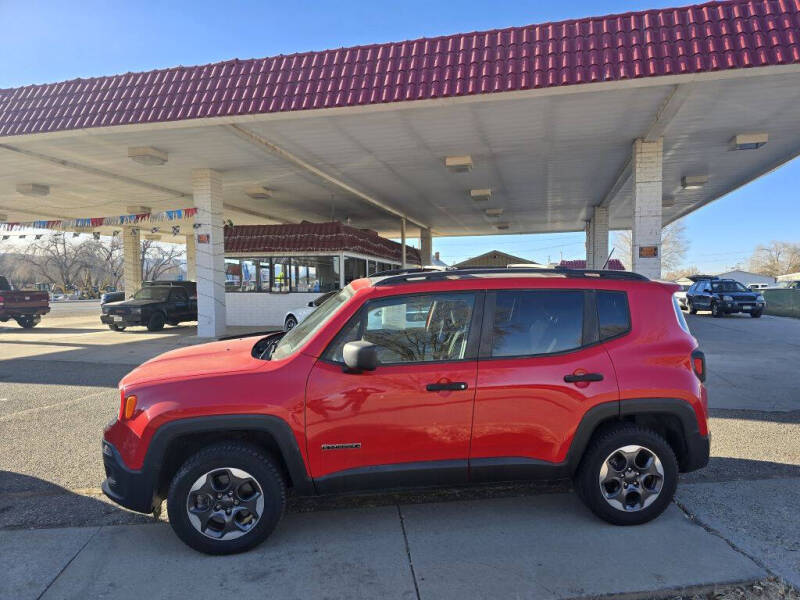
(29, 502)
(54, 372)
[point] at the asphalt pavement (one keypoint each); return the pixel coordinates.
(57, 391)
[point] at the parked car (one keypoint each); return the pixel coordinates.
(680, 296)
(759, 286)
(153, 306)
(111, 297)
(509, 377)
(723, 297)
(24, 306)
(298, 315)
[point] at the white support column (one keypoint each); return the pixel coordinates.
(647, 196)
(131, 260)
(191, 258)
(589, 244)
(597, 238)
(210, 252)
(403, 261)
(425, 246)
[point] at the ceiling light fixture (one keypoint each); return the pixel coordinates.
(258, 192)
(749, 141)
(480, 195)
(147, 155)
(503, 226)
(33, 189)
(493, 212)
(693, 182)
(152, 236)
(3, 217)
(458, 164)
(138, 210)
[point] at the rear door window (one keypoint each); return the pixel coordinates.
(613, 314)
(529, 323)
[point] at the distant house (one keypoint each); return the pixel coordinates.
(438, 262)
(746, 277)
(614, 264)
(494, 258)
(789, 277)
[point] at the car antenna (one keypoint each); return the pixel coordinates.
(605, 264)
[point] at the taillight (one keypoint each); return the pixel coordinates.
(699, 364)
(2, 300)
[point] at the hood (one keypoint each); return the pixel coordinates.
(203, 360)
(132, 303)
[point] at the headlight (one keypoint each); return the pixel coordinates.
(759, 298)
(104, 309)
(727, 298)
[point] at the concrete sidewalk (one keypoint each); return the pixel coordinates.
(544, 546)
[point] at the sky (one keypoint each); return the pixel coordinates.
(44, 42)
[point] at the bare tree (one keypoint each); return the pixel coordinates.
(158, 259)
(673, 246)
(59, 259)
(681, 273)
(776, 258)
(107, 261)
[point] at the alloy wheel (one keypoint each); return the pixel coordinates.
(225, 503)
(631, 478)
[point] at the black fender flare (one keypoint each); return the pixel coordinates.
(696, 445)
(277, 428)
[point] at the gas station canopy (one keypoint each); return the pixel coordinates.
(520, 130)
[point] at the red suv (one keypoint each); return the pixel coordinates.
(420, 379)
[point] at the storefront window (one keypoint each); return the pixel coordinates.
(315, 273)
(249, 281)
(233, 275)
(281, 275)
(354, 268)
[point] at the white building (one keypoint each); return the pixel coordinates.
(746, 277)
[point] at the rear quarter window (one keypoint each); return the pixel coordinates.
(613, 314)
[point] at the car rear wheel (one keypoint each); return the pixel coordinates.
(114, 327)
(227, 498)
(156, 322)
(291, 323)
(628, 475)
(715, 310)
(28, 322)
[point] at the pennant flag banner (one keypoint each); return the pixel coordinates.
(88, 223)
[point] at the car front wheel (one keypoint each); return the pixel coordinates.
(227, 498)
(692, 309)
(628, 475)
(756, 314)
(156, 322)
(291, 323)
(715, 310)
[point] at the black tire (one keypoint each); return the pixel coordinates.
(233, 455)
(756, 314)
(692, 309)
(715, 311)
(156, 322)
(114, 327)
(27, 322)
(586, 480)
(290, 323)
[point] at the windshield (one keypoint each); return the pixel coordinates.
(303, 332)
(728, 286)
(152, 293)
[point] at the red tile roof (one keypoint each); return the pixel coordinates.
(707, 37)
(614, 264)
(313, 237)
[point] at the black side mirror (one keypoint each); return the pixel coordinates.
(311, 304)
(360, 356)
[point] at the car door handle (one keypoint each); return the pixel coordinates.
(572, 378)
(456, 386)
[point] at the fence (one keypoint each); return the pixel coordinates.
(783, 303)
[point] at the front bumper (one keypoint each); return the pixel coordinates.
(123, 321)
(134, 490)
(742, 307)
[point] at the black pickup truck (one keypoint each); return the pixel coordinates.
(156, 304)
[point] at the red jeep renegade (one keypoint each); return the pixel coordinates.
(420, 379)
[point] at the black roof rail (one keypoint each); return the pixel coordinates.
(407, 270)
(411, 276)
